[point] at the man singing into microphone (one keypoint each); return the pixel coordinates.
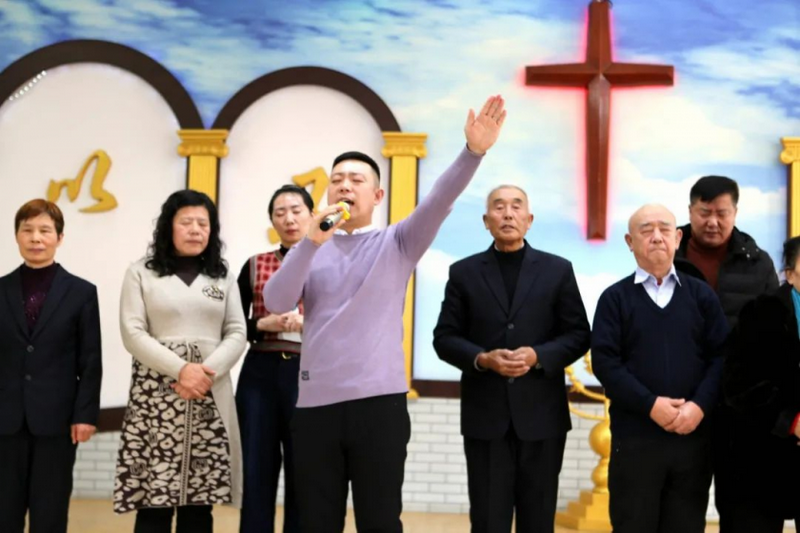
(351, 423)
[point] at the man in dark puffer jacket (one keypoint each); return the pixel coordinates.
(738, 270)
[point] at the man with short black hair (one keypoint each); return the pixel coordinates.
(351, 423)
(738, 271)
(730, 260)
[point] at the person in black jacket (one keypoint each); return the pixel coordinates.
(762, 382)
(50, 376)
(730, 260)
(512, 320)
(738, 271)
(657, 345)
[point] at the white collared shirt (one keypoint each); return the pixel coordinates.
(357, 231)
(660, 294)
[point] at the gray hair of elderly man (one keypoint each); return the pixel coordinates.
(505, 186)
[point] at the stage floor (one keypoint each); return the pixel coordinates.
(96, 516)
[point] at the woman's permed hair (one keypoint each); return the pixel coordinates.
(161, 253)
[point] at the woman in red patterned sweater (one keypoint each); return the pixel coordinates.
(267, 389)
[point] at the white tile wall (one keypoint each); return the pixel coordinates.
(436, 474)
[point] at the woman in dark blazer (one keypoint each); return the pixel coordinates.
(762, 381)
(50, 372)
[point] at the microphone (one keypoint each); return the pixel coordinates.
(330, 221)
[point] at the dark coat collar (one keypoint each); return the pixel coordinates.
(740, 243)
(58, 290)
(527, 275)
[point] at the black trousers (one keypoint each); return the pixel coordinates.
(736, 494)
(749, 517)
(360, 441)
(659, 485)
(265, 400)
(508, 474)
(35, 477)
(727, 478)
(191, 519)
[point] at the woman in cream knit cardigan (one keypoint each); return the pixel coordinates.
(181, 320)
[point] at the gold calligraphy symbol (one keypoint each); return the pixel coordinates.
(105, 200)
(318, 179)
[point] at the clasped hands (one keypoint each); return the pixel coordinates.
(676, 415)
(194, 381)
(509, 363)
(287, 322)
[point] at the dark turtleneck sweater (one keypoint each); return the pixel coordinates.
(36, 283)
(188, 268)
(510, 265)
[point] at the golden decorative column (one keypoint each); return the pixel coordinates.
(791, 156)
(404, 150)
(590, 512)
(204, 148)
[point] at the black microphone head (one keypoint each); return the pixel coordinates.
(329, 221)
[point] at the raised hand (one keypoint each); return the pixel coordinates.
(482, 130)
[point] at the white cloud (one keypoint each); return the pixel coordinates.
(766, 59)
(665, 121)
(436, 267)
(215, 59)
(20, 21)
(592, 286)
(636, 189)
(119, 16)
(699, 120)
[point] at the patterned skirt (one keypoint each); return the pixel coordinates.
(173, 451)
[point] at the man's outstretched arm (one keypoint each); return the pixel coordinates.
(416, 233)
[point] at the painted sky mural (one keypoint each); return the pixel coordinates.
(737, 79)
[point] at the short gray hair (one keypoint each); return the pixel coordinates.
(505, 186)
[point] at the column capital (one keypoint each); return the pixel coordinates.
(203, 142)
(791, 150)
(404, 144)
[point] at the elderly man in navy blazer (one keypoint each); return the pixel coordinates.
(512, 320)
(657, 348)
(49, 377)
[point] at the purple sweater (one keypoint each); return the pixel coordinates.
(353, 289)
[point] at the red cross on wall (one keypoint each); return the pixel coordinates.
(599, 73)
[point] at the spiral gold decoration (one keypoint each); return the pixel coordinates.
(590, 512)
